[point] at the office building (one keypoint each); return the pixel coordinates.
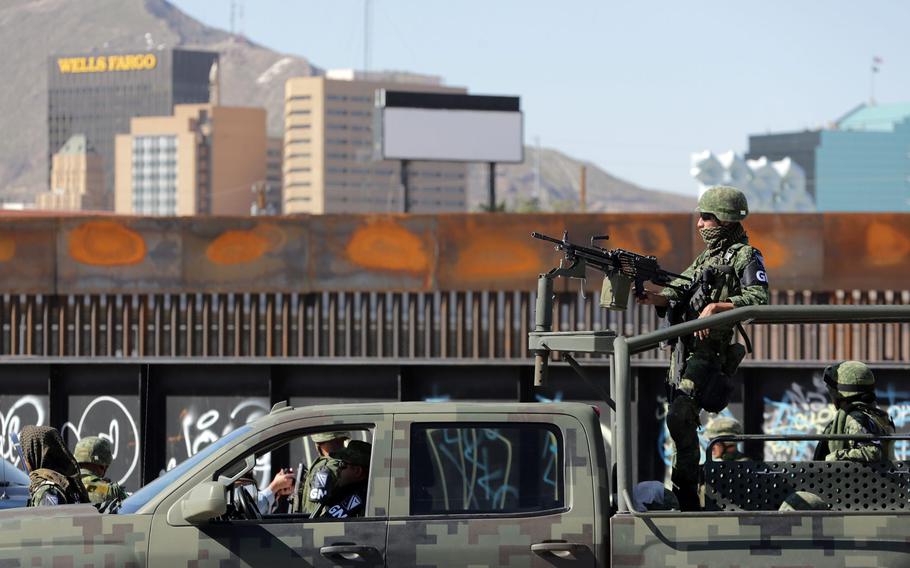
(202, 160)
(860, 163)
(97, 94)
(77, 178)
(328, 150)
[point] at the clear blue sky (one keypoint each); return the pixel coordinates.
(633, 86)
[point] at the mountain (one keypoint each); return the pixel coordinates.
(251, 75)
(518, 188)
(33, 30)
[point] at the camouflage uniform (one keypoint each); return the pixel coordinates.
(53, 474)
(852, 386)
(97, 451)
(320, 477)
(347, 499)
(726, 426)
(700, 368)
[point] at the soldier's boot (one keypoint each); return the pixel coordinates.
(682, 422)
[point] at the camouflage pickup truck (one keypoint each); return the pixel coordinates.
(490, 484)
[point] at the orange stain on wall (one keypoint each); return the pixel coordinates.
(775, 253)
(651, 237)
(385, 245)
(106, 243)
(478, 259)
(237, 247)
(7, 248)
(885, 245)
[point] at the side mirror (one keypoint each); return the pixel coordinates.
(205, 501)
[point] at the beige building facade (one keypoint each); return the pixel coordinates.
(77, 178)
(328, 150)
(202, 160)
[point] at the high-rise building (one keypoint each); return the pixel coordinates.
(96, 94)
(860, 163)
(77, 178)
(274, 173)
(203, 159)
(328, 150)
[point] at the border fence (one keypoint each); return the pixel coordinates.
(409, 325)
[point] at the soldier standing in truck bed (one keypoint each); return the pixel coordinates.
(728, 274)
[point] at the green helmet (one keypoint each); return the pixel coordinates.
(724, 202)
(95, 450)
(355, 453)
(723, 426)
(321, 437)
(803, 501)
(850, 378)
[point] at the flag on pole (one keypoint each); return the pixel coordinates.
(876, 63)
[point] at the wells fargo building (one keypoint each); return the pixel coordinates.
(97, 94)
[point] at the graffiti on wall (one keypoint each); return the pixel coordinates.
(195, 422)
(807, 410)
(478, 468)
(16, 412)
(114, 419)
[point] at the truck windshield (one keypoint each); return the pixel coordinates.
(138, 499)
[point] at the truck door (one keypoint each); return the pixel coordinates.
(276, 535)
(488, 490)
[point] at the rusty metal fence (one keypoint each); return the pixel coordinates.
(418, 325)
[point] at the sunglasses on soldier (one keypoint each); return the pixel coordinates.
(707, 216)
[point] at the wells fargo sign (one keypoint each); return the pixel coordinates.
(105, 63)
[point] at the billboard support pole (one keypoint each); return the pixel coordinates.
(492, 190)
(406, 198)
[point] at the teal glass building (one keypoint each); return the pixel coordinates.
(861, 164)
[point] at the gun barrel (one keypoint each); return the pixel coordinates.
(543, 237)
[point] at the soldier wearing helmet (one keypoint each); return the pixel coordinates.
(322, 474)
(348, 497)
(803, 501)
(728, 274)
(94, 456)
(851, 385)
(725, 451)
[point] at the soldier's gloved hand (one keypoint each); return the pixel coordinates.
(652, 299)
(710, 310)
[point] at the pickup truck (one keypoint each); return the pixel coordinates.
(488, 484)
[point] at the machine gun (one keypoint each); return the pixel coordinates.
(623, 271)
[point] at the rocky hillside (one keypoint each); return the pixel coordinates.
(519, 188)
(33, 30)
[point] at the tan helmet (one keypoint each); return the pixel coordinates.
(94, 450)
(849, 378)
(723, 426)
(355, 453)
(321, 437)
(803, 501)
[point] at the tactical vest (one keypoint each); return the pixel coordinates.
(101, 490)
(874, 420)
(318, 484)
(723, 281)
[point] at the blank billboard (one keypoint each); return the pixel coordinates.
(449, 127)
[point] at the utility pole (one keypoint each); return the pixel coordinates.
(583, 189)
(537, 172)
(366, 36)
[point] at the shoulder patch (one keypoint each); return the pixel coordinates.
(754, 273)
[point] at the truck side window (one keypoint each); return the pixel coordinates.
(485, 468)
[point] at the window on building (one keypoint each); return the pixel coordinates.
(485, 468)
